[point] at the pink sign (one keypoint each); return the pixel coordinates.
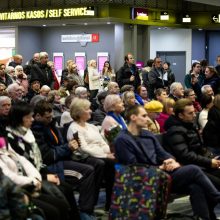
(101, 61)
(58, 64)
(80, 61)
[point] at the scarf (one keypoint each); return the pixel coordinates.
(119, 119)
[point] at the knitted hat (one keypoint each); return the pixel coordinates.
(153, 106)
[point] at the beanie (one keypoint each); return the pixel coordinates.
(153, 106)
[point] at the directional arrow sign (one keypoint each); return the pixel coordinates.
(215, 18)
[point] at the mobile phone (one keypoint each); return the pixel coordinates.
(76, 137)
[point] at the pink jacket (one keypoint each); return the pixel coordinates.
(161, 120)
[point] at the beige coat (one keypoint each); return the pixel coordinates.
(94, 78)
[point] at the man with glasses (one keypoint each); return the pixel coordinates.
(128, 74)
(155, 77)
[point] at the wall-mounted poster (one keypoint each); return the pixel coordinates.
(58, 63)
(101, 58)
(80, 59)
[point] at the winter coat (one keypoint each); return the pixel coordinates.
(183, 141)
(125, 72)
(211, 135)
(12, 205)
(43, 73)
(53, 153)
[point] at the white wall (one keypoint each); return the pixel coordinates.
(172, 40)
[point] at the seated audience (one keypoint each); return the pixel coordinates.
(160, 94)
(91, 141)
(44, 90)
(206, 103)
(168, 104)
(113, 106)
(211, 135)
(207, 90)
(113, 88)
(142, 97)
(100, 113)
(81, 92)
(3, 91)
(57, 155)
(176, 91)
(153, 109)
(66, 117)
(34, 89)
(4, 77)
(190, 94)
(184, 142)
(5, 106)
(15, 92)
(23, 142)
(135, 145)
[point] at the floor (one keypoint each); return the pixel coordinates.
(181, 206)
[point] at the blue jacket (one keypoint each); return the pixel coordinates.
(53, 154)
(128, 150)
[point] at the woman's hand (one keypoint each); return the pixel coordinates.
(53, 178)
(73, 145)
(111, 156)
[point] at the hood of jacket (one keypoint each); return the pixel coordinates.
(174, 121)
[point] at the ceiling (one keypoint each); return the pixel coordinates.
(207, 2)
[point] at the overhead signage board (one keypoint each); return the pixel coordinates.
(83, 39)
(139, 14)
(216, 18)
(48, 13)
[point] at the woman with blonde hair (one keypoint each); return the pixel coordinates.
(168, 104)
(67, 70)
(92, 143)
(94, 79)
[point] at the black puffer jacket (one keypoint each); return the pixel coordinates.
(211, 130)
(183, 141)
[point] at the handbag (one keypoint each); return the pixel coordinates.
(140, 192)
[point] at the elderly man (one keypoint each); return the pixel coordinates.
(44, 91)
(113, 88)
(207, 90)
(176, 91)
(42, 71)
(15, 92)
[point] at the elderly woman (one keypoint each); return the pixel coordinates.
(81, 92)
(114, 106)
(54, 99)
(91, 141)
(128, 99)
(21, 78)
(94, 79)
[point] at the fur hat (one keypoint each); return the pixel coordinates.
(153, 106)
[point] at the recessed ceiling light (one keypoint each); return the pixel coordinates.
(44, 25)
(108, 22)
(85, 23)
(159, 28)
(200, 29)
(64, 24)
